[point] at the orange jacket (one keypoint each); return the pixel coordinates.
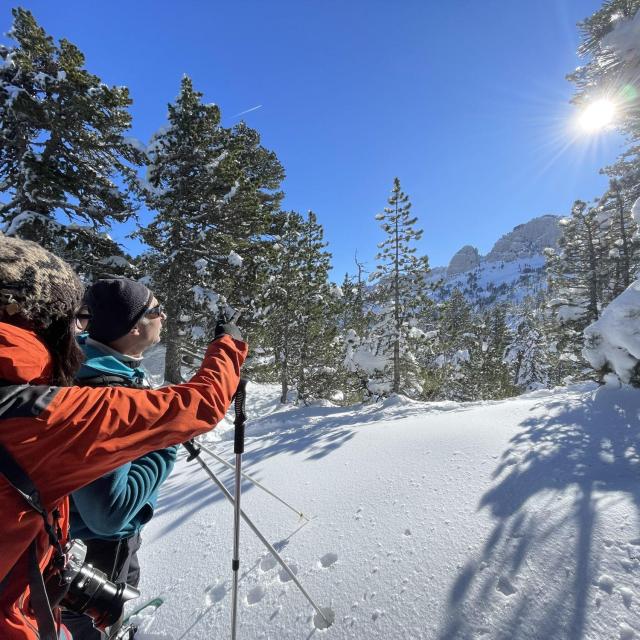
(75, 435)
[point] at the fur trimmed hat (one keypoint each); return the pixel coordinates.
(35, 283)
(116, 305)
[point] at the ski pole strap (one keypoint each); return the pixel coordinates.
(241, 416)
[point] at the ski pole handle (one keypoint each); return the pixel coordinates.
(241, 416)
(192, 448)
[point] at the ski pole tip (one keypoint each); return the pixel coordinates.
(324, 618)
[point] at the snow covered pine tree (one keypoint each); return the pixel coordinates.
(400, 293)
(62, 147)
(214, 190)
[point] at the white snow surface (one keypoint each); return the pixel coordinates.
(502, 520)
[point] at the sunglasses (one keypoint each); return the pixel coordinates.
(82, 320)
(154, 312)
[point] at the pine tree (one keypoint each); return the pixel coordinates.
(577, 277)
(354, 307)
(400, 290)
(215, 192)
(610, 44)
(355, 319)
(612, 51)
(448, 367)
(577, 272)
(620, 236)
(62, 144)
(528, 351)
(493, 376)
(302, 323)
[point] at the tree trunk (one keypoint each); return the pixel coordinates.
(593, 273)
(284, 383)
(626, 269)
(173, 358)
(396, 312)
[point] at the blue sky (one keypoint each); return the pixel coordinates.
(465, 101)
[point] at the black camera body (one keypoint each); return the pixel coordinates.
(80, 587)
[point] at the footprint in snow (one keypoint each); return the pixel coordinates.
(283, 576)
(320, 622)
(256, 594)
(627, 596)
(505, 586)
(606, 583)
(626, 632)
(214, 593)
(328, 559)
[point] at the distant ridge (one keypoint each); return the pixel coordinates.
(511, 271)
(524, 241)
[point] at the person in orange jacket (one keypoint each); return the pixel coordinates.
(64, 437)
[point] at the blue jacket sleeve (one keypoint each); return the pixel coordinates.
(119, 503)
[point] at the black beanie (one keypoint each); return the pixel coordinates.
(115, 305)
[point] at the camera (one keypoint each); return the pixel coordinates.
(80, 587)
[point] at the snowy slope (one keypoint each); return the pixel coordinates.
(511, 271)
(494, 520)
(492, 282)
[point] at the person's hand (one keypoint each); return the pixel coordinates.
(227, 329)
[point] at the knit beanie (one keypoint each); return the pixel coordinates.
(35, 284)
(115, 305)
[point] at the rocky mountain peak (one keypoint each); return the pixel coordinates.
(466, 259)
(526, 239)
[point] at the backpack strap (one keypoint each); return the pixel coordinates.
(19, 479)
(39, 599)
(113, 380)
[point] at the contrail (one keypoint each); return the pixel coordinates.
(247, 111)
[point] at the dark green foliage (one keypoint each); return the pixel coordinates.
(400, 294)
(447, 363)
(300, 329)
(215, 192)
(62, 144)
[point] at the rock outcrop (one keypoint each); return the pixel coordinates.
(466, 259)
(528, 239)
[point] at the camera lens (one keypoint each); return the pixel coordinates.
(92, 593)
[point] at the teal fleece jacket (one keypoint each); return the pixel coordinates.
(118, 504)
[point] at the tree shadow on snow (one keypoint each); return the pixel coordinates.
(576, 461)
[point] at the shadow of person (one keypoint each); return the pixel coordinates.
(571, 473)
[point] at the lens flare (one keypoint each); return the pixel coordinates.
(597, 115)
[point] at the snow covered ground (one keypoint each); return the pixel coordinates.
(491, 520)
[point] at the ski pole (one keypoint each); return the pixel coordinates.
(195, 454)
(238, 449)
(246, 476)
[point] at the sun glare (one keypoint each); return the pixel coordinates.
(597, 115)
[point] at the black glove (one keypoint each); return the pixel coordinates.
(227, 329)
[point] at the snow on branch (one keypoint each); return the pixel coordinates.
(613, 341)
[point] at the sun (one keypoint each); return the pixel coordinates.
(597, 115)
